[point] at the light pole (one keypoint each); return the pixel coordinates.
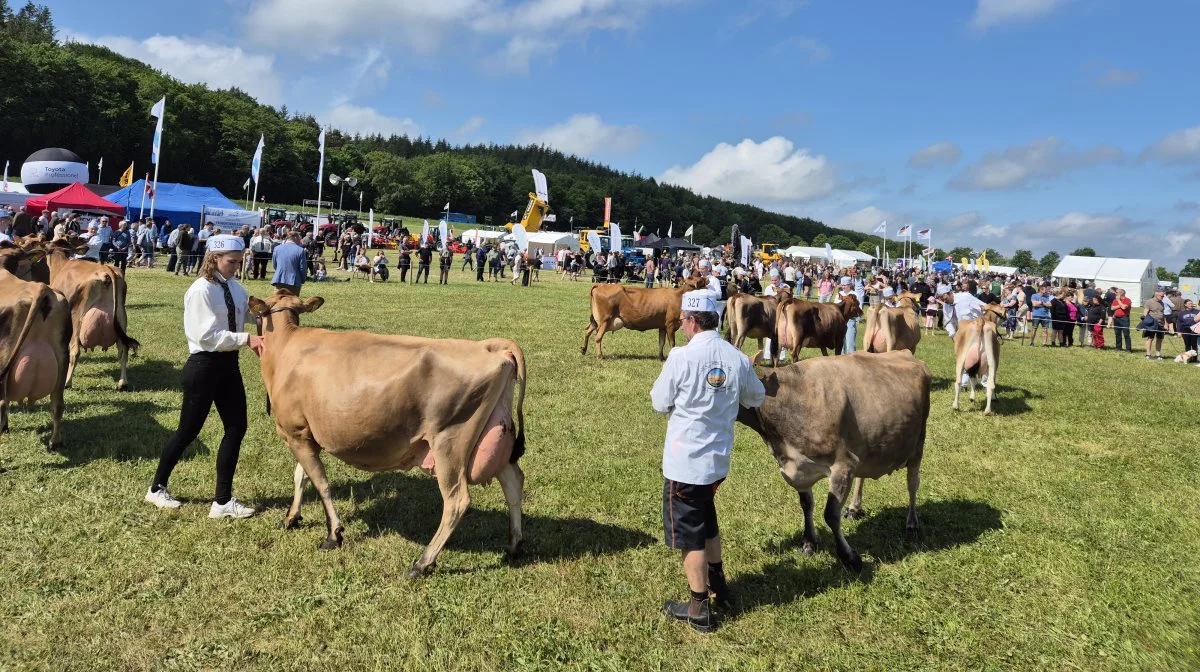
(341, 183)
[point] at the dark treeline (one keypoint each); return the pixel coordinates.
(95, 102)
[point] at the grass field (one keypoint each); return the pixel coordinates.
(1062, 533)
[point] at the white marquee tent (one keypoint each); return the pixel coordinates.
(14, 194)
(553, 241)
(484, 236)
(994, 269)
(843, 257)
(1136, 276)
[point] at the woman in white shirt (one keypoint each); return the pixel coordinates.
(214, 312)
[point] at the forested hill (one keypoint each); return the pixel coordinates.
(95, 102)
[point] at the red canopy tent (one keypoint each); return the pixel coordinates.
(72, 197)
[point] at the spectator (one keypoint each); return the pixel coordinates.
(121, 242)
(1060, 322)
(1186, 324)
(1073, 313)
(1095, 319)
(1120, 319)
(1153, 325)
(1040, 310)
(446, 261)
(825, 288)
(291, 266)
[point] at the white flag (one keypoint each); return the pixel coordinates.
(670, 228)
(447, 208)
(256, 162)
(593, 241)
(688, 233)
(521, 238)
(877, 252)
(424, 233)
(321, 169)
(828, 252)
(371, 219)
(6, 175)
(745, 251)
(615, 232)
(247, 184)
(100, 166)
(158, 111)
(924, 233)
(442, 233)
(882, 227)
(513, 216)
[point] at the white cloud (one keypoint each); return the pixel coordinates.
(939, 153)
(992, 13)
(1020, 165)
(197, 61)
(469, 126)
(770, 171)
(815, 50)
(1113, 77)
(1179, 146)
(367, 121)
(867, 220)
(970, 226)
(584, 135)
(519, 53)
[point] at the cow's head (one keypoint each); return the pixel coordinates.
(18, 260)
(67, 246)
(285, 305)
(696, 281)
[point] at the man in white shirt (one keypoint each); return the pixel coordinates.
(700, 389)
(958, 307)
(774, 286)
(94, 243)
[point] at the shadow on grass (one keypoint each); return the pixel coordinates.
(154, 374)
(411, 506)
(1009, 400)
(130, 433)
(944, 524)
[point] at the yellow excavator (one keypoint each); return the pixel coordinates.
(536, 209)
(769, 252)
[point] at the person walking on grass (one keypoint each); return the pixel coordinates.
(214, 312)
(700, 390)
(291, 264)
(424, 259)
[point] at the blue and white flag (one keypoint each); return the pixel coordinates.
(882, 227)
(158, 112)
(321, 169)
(256, 162)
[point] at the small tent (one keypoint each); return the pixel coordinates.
(553, 241)
(182, 204)
(483, 235)
(1136, 276)
(672, 244)
(72, 197)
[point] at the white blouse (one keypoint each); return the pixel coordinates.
(206, 317)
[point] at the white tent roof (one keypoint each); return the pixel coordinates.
(1110, 269)
(804, 251)
(15, 188)
(853, 255)
(994, 268)
(554, 239)
(483, 235)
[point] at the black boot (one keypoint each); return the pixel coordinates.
(718, 586)
(694, 612)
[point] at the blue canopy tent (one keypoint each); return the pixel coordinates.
(180, 203)
(942, 266)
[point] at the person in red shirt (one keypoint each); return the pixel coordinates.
(1120, 319)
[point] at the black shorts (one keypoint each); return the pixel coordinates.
(689, 514)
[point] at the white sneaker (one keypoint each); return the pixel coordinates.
(230, 509)
(162, 499)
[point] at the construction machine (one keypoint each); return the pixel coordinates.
(538, 206)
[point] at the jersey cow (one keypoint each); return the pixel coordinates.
(860, 415)
(35, 332)
(893, 328)
(96, 293)
(459, 429)
(804, 324)
(977, 353)
(616, 307)
(750, 316)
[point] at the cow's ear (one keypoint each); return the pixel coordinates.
(313, 304)
(257, 306)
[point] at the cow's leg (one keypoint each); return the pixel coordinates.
(971, 380)
(957, 382)
(911, 526)
(56, 414)
(810, 532)
(3, 411)
(587, 334)
(839, 488)
(307, 454)
(600, 331)
(293, 517)
(455, 500)
(662, 343)
(123, 362)
(854, 511)
(73, 350)
(512, 481)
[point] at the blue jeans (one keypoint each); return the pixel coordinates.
(850, 344)
(1121, 327)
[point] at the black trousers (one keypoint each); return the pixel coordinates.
(258, 268)
(421, 268)
(479, 271)
(208, 378)
(1121, 328)
(120, 260)
(404, 272)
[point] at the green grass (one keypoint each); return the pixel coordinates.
(1062, 533)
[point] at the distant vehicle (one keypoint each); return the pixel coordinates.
(538, 206)
(769, 252)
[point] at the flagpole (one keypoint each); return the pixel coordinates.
(142, 210)
(154, 194)
(100, 171)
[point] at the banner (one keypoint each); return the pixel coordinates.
(593, 239)
(444, 239)
(229, 218)
(424, 234)
(607, 209)
(539, 186)
(882, 227)
(745, 251)
(126, 177)
(256, 162)
(689, 231)
(615, 234)
(828, 252)
(158, 111)
(321, 148)
(521, 238)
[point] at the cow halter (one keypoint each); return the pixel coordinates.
(258, 319)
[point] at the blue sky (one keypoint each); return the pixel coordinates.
(1043, 124)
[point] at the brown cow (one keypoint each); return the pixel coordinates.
(35, 333)
(893, 328)
(804, 324)
(459, 428)
(860, 415)
(750, 316)
(96, 293)
(977, 353)
(616, 307)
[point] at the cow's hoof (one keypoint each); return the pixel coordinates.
(291, 524)
(853, 562)
(954, 406)
(514, 553)
(123, 386)
(808, 549)
(853, 514)
(416, 572)
(912, 533)
(330, 544)
(987, 412)
(54, 446)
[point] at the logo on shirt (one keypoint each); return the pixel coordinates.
(716, 377)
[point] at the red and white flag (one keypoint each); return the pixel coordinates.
(903, 231)
(924, 233)
(149, 189)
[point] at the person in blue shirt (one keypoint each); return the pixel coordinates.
(1040, 312)
(291, 264)
(700, 389)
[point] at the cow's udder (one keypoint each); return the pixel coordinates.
(34, 374)
(97, 329)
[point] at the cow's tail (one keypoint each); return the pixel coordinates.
(118, 291)
(519, 444)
